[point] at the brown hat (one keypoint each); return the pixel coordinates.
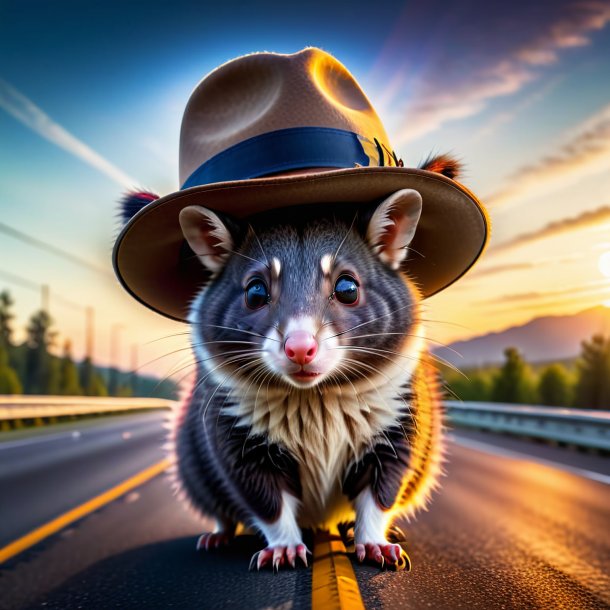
(247, 127)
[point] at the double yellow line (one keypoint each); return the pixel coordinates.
(334, 585)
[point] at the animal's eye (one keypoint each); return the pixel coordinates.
(346, 290)
(257, 293)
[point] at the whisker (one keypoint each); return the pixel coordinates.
(239, 330)
(255, 260)
(167, 337)
(444, 345)
(345, 237)
(370, 321)
(189, 347)
(268, 265)
(224, 363)
(399, 390)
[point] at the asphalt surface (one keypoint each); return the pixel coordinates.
(46, 475)
(505, 531)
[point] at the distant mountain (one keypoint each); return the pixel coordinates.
(541, 339)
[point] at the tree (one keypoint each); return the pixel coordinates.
(6, 319)
(512, 383)
(113, 382)
(9, 382)
(98, 386)
(593, 384)
(475, 385)
(91, 381)
(41, 371)
(554, 386)
(68, 374)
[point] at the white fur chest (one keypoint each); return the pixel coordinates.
(324, 429)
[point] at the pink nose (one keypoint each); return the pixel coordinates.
(301, 347)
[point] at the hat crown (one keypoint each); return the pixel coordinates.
(267, 92)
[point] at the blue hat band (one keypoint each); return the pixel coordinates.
(293, 148)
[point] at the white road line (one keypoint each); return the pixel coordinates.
(74, 434)
(509, 453)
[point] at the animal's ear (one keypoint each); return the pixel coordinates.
(392, 226)
(207, 235)
(443, 164)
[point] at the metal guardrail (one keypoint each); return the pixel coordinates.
(578, 427)
(25, 408)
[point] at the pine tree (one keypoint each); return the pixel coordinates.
(85, 375)
(9, 382)
(68, 374)
(113, 382)
(474, 386)
(41, 372)
(6, 333)
(512, 383)
(6, 319)
(593, 385)
(91, 381)
(98, 386)
(554, 386)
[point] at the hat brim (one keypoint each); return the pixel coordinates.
(148, 253)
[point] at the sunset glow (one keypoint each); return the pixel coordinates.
(528, 114)
(604, 264)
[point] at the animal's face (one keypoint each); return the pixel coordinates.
(304, 299)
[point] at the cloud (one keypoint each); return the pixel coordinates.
(517, 49)
(508, 116)
(590, 288)
(483, 270)
(586, 152)
(495, 269)
(25, 111)
(586, 219)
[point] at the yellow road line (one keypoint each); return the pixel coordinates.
(334, 585)
(60, 522)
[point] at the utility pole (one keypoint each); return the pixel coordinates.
(113, 377)
(134, 368)
(44, 298)
(89, 333)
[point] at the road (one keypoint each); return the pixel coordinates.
(515, 527)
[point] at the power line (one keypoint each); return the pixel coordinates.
(43, 245)
(25, 283)
(46, 297)
(15, 279)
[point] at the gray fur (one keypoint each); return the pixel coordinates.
(245, 435)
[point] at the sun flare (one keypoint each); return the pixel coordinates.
(603, 263)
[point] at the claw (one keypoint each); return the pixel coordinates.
(386, 555)
(264, 557)
(302, 551)
(211, 540)
(279, 556)
(404, 562)
(291, 555)
(360, 552)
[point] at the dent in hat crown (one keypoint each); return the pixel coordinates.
(262, 93)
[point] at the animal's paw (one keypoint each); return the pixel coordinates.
(210, 540)
(386, 555)
(277, 557)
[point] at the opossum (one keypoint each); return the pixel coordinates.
(314, 403)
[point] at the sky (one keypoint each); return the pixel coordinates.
(92, 95)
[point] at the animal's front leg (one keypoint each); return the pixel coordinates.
(265, 479)
(283, 536)
(370, 531)
(373, 484)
